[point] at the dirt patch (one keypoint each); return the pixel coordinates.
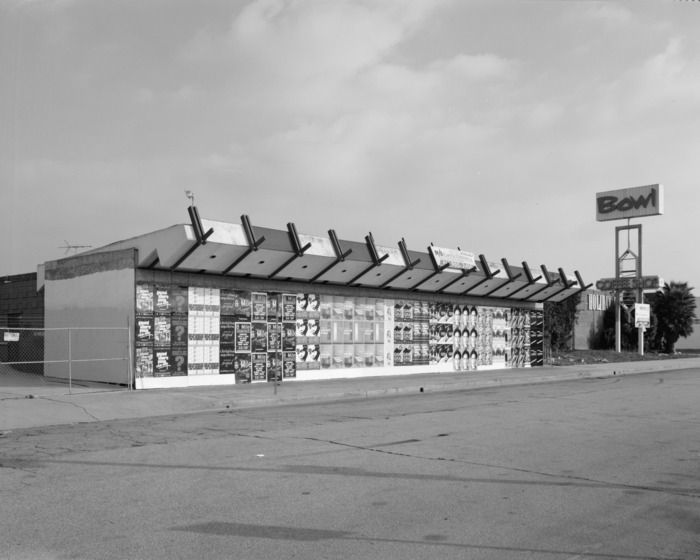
(578, 357)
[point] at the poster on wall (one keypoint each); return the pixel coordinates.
(259, 306)
(308, 306)
(179, 361)
(227, 300)
(274, 336)
(212, 327)
(236, 304)
(244, 306)
(212, 301)
(398, 355)
(259, 337)
(388, 330)
(227, 359)
(259, 365)
(144, 361)
(243, 368)
(500, 335)
(144, 298)
(289, 368)
(195, 359)
(243, 337)
(195, 299)
(359, 355)
(308, 331)
(195, 327)
(325, 332)
(337, 356)
(348, 332)
(348, 355)
(289, 308)
(161, 330)
(326, 308)
(485, 336)
(272, 307)
(337, 308)
(227, 330)
(182, 331)
(289, 337)
(211, 358)
(274, 366)
(162, 366)
(519, 338)
(178, 329)
(162, 299)
(378, 355)
(144, 330)
(358, 309)
(326, 356)
(178, 299)
(308, 356)
(536, 338)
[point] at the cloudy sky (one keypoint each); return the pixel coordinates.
(487, 125)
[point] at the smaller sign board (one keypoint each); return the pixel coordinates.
(629, 283)
(11, 336)
(461, 260)
(642, 315)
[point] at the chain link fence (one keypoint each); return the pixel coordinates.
(57, 361)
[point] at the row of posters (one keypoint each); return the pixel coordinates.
(262, 337)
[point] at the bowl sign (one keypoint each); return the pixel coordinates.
(636, 202)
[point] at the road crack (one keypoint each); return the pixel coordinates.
(692, 493)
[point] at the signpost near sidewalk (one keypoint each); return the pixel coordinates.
(625, 204)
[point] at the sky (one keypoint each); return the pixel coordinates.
(484, 125)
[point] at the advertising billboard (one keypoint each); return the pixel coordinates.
(623, 204)
(460, 260)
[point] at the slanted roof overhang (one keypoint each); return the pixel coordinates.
(244, 250)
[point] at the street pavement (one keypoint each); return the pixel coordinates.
(24, 404)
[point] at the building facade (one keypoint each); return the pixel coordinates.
(213, 302)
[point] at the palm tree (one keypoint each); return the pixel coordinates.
(674, 308)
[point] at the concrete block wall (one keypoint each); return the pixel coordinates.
(22, 306)
(21, 301)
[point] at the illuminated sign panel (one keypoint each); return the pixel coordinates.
(628, 283)
(636, 202)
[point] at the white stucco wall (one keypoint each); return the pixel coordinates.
(96, 300)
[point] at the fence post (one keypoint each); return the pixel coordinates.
(70, 363)
(130, 365)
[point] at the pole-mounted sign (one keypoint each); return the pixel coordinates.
(623, 204)
(642, 315)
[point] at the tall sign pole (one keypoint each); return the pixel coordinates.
(625, 204)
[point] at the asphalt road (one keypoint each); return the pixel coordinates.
(591, 469)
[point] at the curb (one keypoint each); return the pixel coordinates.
(43, 411)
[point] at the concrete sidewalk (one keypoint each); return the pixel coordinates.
(33, 410)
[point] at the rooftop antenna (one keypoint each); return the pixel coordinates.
(190, 195)
(68, 247)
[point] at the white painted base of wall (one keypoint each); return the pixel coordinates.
(308, 375)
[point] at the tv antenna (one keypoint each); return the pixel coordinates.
(75, 248)
(190, 195)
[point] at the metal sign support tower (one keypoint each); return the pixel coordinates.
(621, 259)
